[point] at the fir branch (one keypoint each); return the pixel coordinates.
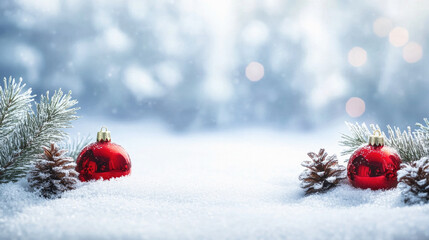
(423, 130)
(13, 104)
(358, 137)
(75, 145)
(411, 145)
(44, 126)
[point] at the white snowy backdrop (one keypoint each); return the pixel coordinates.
(184, 62)
(217, 103)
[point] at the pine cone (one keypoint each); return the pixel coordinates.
(414, 181)
(323, 172)
(53, 173)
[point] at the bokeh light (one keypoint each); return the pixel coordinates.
(355, 107)
(412, 52)
(398, 37)
(254, 71)
(357, 56)
(165, 57)
(382, 26)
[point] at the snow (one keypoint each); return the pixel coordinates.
(332, 178)
(236, 184)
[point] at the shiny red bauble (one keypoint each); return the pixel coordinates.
(374, 167)
(103, 160)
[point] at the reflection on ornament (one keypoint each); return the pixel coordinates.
(374, 166)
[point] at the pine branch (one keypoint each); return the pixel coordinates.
(411, 145)
(45, 126)
(13, 104)
(358, 137)
(75, 145)
(423, 130)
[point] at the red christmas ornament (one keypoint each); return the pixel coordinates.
(374, 166)
(103, 159)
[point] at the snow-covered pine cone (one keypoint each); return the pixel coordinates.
(414, 181)
(323, 172)
(53, 173)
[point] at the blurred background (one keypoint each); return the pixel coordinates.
(225, 63)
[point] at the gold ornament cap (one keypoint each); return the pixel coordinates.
(376, 139)
(103, 135)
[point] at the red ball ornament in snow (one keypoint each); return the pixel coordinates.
(103, 159)
(374, 166)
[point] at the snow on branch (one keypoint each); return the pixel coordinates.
(75, 145)
(13, 103)
(358, 137)
(32, 130)
(411, 145)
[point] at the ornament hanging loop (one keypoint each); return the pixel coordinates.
(376, 139)
(103, 135)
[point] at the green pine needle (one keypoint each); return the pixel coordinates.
(32, 130)
(74, 146)
(14, 103)
(410, 145)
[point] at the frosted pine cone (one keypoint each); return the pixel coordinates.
(323, 172)
(414, 181)
(53, 173)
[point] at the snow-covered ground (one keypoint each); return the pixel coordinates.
(240, 184)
